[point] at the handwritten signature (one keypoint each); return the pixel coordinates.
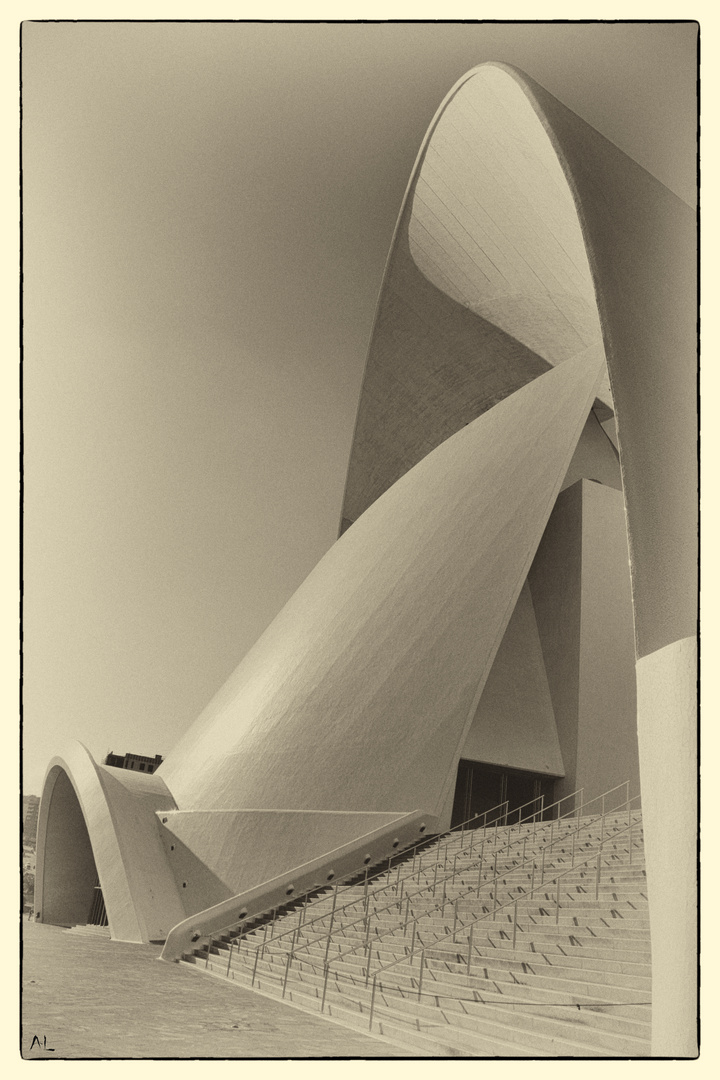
(42, 1045)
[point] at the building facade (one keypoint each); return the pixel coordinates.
(510, 608)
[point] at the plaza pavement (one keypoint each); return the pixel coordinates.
(90, 997)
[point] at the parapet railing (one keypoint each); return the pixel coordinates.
(524, 895)
(326, 966)
(414, 921)
(444, 881)
(494, 816)
(299, 883)
(489, 817)
(325, 935)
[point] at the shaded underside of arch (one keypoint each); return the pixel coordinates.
(487, 284)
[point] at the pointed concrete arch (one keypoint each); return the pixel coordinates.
(95, 818)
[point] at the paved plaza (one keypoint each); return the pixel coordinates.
(88, 997)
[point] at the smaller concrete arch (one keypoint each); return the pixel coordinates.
(95, 819)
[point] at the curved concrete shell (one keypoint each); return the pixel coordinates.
(531, 257)
(360, 693)
(491, 247)
(99, 823)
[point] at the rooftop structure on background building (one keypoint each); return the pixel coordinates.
(134, 761)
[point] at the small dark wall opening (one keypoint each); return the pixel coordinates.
(97, 916)
(481, 789)
(69, 871)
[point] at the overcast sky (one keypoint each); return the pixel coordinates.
(207, 214)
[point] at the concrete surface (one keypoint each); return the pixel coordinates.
(96, 998)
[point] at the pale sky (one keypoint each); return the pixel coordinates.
(207, 214)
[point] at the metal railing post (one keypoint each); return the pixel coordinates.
(480, 867)
(325, 982)
(407, 910)
(257, 954)
(367, 967)
(542, 869)
(372, 1002)
(287, 971)
(330, 927)
(557, 903)
(597, 876)
(514, 923)
(422, 964)
(455, 918)
(412, 940)
(470, 937)
(229, 959)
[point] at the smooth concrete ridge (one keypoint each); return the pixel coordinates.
(516, 578)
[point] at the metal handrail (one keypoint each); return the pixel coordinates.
(450, 878)
(513, 902)
(493, 882)
(406, 851)
(413, 848)
(326, 935)
(426, 842)
(525, 895)
(489, 882)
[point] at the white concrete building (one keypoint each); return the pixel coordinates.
(511, 605)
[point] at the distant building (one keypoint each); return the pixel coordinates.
(31, 807)
(134, 761)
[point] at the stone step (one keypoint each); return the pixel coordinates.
(538, 1035)
(527, 946)
(456, 984)
(558, 979)
(511, 1023)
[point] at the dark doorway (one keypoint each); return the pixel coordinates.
(482, 789)
(97, 915)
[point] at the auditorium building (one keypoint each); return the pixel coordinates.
(510, 608)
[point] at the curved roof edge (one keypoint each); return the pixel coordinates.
(120, 841)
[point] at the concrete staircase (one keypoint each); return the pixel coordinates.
(470, 949)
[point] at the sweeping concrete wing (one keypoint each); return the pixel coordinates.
(487, 285)
(359, 694)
